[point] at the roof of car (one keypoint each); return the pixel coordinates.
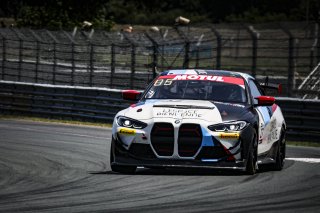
(206, 72)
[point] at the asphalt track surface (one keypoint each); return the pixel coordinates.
(65, 168)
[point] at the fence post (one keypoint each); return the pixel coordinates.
(186, 47)
(311, 57)
(186, 55)
(318, 41)
(72, 64)
(72, 56)
(254, 36)
(20, 58)
(55, 41)
(291, 79)
(155, 48)
(219, 47)
(91, 51)
(3, 57)
(112, 64)
(133, 57)
(91, 64)
(37, 60)
(133, 64)
(197, 56)
(38, 40)
(54, 63)
(20, 52)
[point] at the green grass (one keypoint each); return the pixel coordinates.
(303, 143)
(59, 121)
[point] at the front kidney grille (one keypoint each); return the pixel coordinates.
(189, 140)
(162, 138)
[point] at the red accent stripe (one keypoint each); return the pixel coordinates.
(274, 107)
(230, 156)
(167, 77)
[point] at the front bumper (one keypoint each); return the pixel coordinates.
(214, 151)
(142, 155)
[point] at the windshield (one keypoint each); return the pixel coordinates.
(198, 87)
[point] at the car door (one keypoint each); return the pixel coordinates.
(265, 122)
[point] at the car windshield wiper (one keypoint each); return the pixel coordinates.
(184, 106)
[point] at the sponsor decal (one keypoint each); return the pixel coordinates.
(273, 136)
(179, 113)
(229, 135)
(199, 77)
(126, 131)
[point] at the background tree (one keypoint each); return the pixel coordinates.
(104, 13)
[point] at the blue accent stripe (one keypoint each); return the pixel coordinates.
(209, 160)
(206, 138)
(265, 114)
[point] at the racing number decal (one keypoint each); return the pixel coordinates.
(158, 82)
(165, 82)
(168, 82)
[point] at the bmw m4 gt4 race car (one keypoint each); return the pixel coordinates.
(199, 118)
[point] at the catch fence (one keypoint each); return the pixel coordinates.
(285, 52)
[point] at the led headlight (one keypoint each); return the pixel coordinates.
(228, 126)
(130, 123)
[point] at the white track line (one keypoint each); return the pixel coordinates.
(306, 160)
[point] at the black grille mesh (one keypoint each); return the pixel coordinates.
(162, 138)
(189, 140)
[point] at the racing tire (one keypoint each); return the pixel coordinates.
(252, 163)
(119, 168)
(280, 153)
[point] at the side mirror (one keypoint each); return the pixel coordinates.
(131, 95)
(265, 101)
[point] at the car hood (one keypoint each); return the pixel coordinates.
(185, 109)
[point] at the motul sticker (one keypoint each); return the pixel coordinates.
(230, 80)
(126, 131)
(229, 135)
(199, 77)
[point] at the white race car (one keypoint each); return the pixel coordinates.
(199, 118)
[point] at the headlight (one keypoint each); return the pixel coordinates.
(229, 126)
(130, 123)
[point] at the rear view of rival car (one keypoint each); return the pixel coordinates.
(199, 118)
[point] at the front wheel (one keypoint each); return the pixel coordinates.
(119, 168)
(252, 163)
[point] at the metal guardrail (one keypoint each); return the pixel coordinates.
(65, 102)
(98, 104)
